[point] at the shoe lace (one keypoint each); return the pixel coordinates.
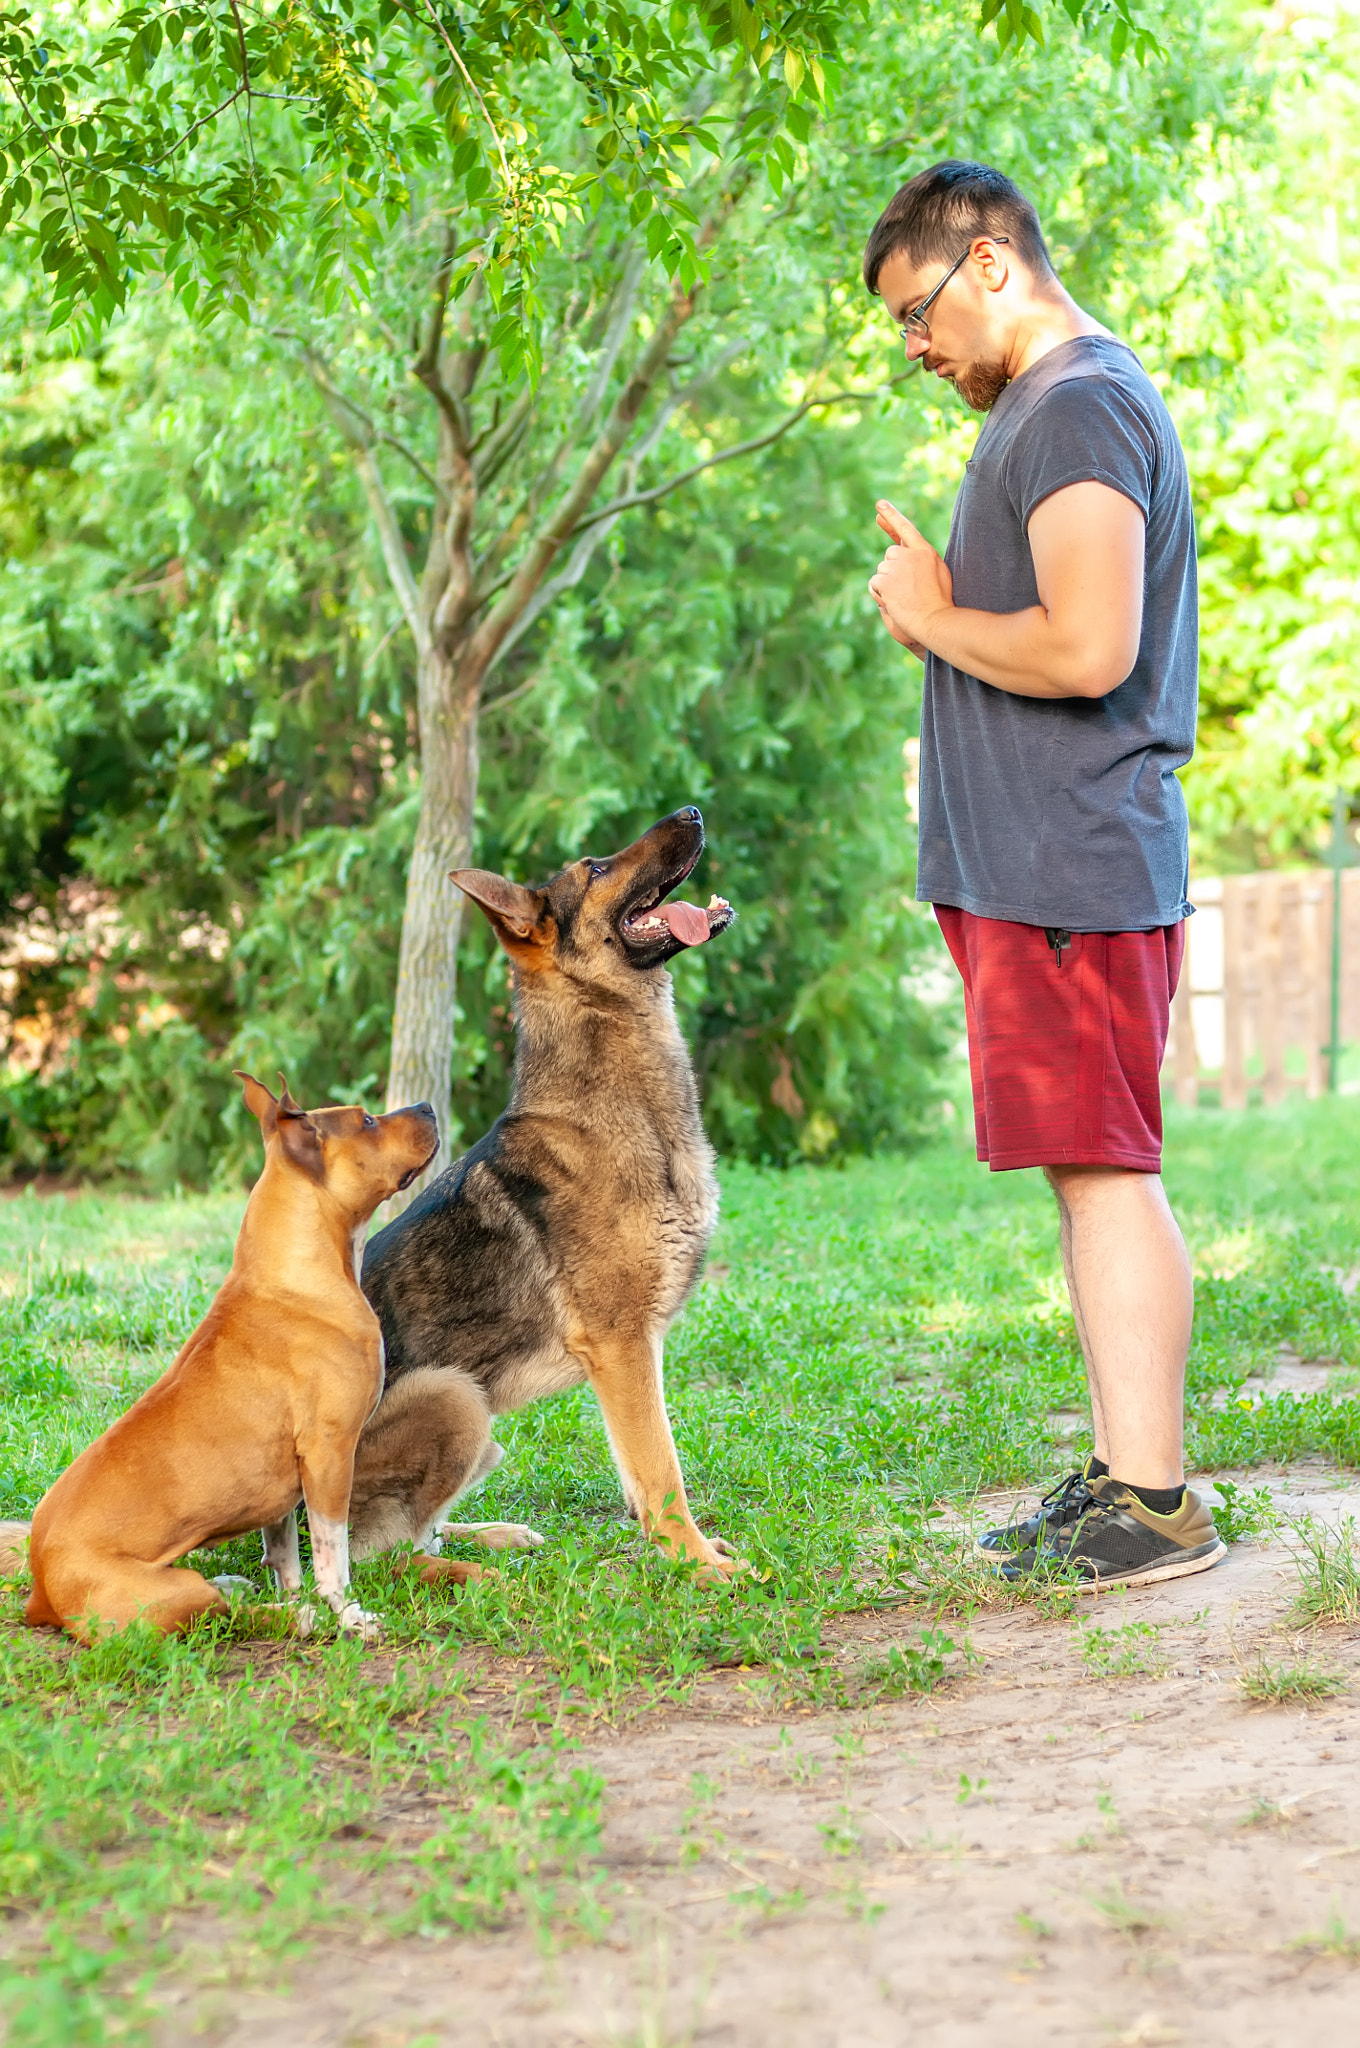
(1070, 1494)
(1095, 1508)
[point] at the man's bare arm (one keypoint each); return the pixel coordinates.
(1080, 640)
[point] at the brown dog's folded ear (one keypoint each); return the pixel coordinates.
(511, 909)
(298, 1134)
(258, 1101)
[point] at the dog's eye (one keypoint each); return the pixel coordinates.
(370, 1123)
(597, 867)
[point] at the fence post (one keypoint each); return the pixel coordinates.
(1313, 956)
(1270, 985)
(1339, 856)
(1233, 1092)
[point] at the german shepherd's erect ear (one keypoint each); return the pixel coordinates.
(514, 912)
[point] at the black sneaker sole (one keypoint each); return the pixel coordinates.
(1173, 1566)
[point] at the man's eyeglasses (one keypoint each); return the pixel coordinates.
(916, 327)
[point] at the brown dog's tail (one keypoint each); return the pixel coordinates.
(14, 1548)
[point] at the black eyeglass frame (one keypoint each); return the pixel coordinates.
(916, 327)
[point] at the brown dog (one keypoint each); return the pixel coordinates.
(563, 1244)
(264, 1404)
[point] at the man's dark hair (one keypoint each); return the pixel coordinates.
(939, 212)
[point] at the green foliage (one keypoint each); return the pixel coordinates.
(207, 782)
(1243, 1511)
(1255, 320)
(259, 1801)
(911, 1667)
(1327, 1560)
(1131, 1651)
(185, 142)
(1305, 1680)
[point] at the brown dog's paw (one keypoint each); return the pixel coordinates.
(447, 1571)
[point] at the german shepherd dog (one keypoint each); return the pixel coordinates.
(562, 1246)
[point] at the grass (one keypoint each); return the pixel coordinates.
(873, 1347)
(1303, 1682)
(1327, 1561)
(1244, 1512)
(1133, 1651)
(1335, 1940)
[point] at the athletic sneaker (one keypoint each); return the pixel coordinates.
(1117, 1541)
(1059, 1508)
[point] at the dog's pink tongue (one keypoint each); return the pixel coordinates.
(684, 922)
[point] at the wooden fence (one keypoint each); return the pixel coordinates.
(1253, 1010)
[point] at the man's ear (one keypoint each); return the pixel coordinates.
(513, 911)
(259, 1102)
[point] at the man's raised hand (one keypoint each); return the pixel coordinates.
(911, 581)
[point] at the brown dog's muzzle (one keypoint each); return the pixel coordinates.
(419, 1128)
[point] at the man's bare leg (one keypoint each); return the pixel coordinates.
(1101, 1443)
(1132, 1292)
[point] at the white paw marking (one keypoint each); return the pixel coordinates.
(356, 1620)
(233, 1587)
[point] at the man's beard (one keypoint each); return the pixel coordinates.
(981, 384)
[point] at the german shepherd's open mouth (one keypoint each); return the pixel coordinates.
(653, 930)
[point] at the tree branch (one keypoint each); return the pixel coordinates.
(427, 363)
(595, 531)
(506, 612)
(500, 444)
(616, 333)
(750, 447)
(344, 412)
(319, 371)
(604, 450)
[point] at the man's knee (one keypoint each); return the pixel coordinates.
(1075, 1185)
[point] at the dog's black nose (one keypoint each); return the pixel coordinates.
(423, 1108)
(692, 813)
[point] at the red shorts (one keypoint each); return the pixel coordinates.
(1066, 1052)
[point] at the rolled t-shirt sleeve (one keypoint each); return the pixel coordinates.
(1085, 430)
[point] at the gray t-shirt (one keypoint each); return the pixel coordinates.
(1066, 811)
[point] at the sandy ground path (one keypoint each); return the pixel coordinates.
(1030, 1855)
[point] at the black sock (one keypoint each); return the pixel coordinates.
(1163, 1500)
(1096, 1468)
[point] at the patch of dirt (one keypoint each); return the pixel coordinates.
(1030, 1855)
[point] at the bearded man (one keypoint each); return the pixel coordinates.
(1059, 635)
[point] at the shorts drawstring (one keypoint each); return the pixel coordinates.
(1057, 939)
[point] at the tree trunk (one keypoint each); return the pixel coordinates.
(454, 655)
(422, 1026)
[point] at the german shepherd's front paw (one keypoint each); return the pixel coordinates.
(356, 1620)
(721, 1563)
